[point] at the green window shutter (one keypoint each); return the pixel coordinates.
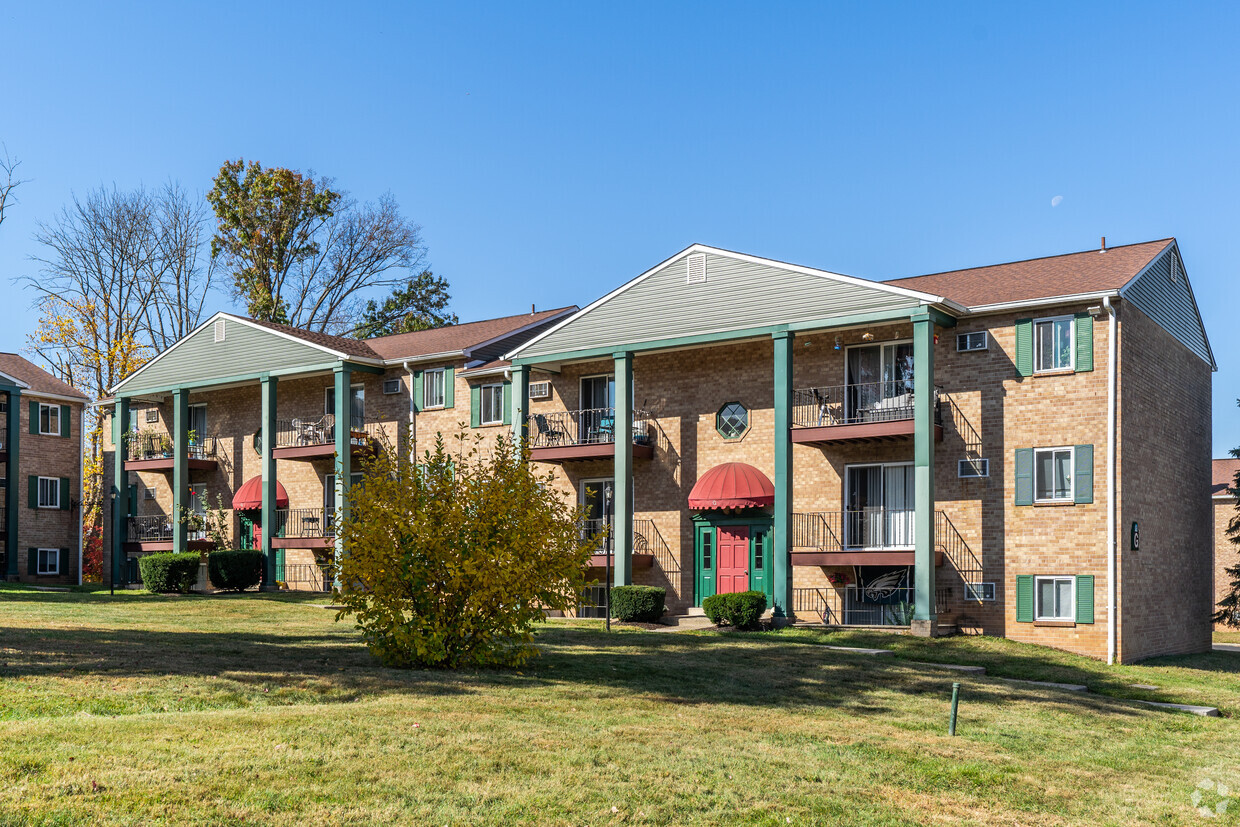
(133, 501)
(1084, 330)
(63, 566)
(1024, 598)
(34, 417)
(449, 381)
(34, 492)
(64, 420)
(1085, 598)
(507, 408)
(1024, 476)
(475, 406)
(64, 493)
(1024, 347)
(32, 568)
(417, 390)
(1083, 474)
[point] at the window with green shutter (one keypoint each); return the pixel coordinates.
(507, 403)
(34, 492)
(1024, 598)
(1024, 476)
(1084, 598)
(64, 494)
(1083, 473)
(1084, 342)
(1024, 347)
(417, 390)
(449, 389)
(475, 406)
(34, 417)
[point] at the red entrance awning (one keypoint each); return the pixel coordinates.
(250, 495)
(732, 485)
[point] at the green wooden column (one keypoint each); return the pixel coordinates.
(344, 451)
(622, 497)
(520, 401)
(180, 467)
(12, 444)
(271, 565)
(120, 490)
(781, 529)
(924, 612)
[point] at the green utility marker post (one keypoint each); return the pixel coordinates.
(951, 726)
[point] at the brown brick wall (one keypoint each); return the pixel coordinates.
(1226, 553)
(48, 456)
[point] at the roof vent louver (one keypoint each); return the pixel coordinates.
(219, 330)
(697, 269)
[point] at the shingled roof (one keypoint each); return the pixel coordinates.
(1071, 274)
(343, 344)
(36, 378)
(457, 337)
(1223, 475)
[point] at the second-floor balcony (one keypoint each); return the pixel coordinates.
(155, 451)
(155, 532)
(304, 528)
(311, 437)
(878, 536)
(859, 412)
(587, 434)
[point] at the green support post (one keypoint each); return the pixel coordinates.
(120, 490)
(12, 445)
(781, 529)
(924, 612)
(271, 565)
(622, 497)
(180, 468)
(344, 451)
(520, 402)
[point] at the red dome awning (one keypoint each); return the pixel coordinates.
(732, 485)
(250, 495)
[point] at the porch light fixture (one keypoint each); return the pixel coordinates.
(867, 337)
(838, 343)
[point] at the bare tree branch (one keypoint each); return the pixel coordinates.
(8, 181)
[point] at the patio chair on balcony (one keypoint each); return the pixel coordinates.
(547, 433)
(311, 526)
(606, 431)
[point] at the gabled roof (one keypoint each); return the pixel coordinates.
(29, 376)
(1223, 475)
(357, 348)
(459, 338)
(1070, 274)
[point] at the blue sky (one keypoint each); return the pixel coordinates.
(552, 151)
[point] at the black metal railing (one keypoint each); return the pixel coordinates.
(647, 539)
(305, 522)
(855, 605)
(594, 426)
(143, 446)
(301, 432)
(152, 529)
(867, 528)
(307, 577)
(857, 404)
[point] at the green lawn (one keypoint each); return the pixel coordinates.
(140, 709)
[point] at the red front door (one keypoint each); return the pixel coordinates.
(732, 572)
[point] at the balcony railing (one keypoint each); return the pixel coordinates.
(159, 446)
(594, 426)
(857, 404)
(307, 577)
(157, 529)
(855, 605)
(305, 432)
(305, 523)
(867, 528)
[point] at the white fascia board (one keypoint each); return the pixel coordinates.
(1049, 301)
(13, 380)
(59, 397)
(924, 298)
(429, 357)
(470, 374)
(568, 311)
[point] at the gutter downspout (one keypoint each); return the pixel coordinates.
(413, 417)
(1111, 515)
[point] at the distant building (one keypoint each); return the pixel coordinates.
(1223, 502)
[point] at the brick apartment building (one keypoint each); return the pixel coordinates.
(41, 451)
(1223, 504)
(742, 423)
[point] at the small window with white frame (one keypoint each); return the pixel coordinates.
(152, 415)
(492, 405)
(1054, 598)
(49, 561)
(49, 492)
(49, 419)
(1054, 345)
(432, 388)
(973, 468)
(979, 592)
(1052, 475)
(975, 340)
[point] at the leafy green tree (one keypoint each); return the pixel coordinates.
(421, 303)
(449, 563)
(1228, 612)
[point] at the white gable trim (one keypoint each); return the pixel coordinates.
(925, 298)
(13, 380)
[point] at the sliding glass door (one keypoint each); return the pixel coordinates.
(879, 505)
(878, 377)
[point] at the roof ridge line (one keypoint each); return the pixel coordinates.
(1026, 260)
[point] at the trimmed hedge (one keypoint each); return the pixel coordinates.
(235, 571)
(741, 609)
(170, 572)
(638, 604)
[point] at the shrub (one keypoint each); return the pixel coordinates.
(235, 571)
(742, 610)
(169, 572)
(637, 604)
(449, 563)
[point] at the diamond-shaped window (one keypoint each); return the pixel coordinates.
(732, 420)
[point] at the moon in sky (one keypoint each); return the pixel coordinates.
(1057, 200)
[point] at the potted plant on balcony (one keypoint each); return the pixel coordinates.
(838, 579)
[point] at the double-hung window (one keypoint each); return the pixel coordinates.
(49, 561)
(432, 388)
(1054, 598)
(492, 404)
(1052, 475)
(49, 419)
(49, 492)
(1053, 344)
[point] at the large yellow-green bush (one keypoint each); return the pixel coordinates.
(450, 563)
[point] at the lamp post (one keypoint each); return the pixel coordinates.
(607, 495)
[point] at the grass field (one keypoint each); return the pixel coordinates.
(139, 709)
